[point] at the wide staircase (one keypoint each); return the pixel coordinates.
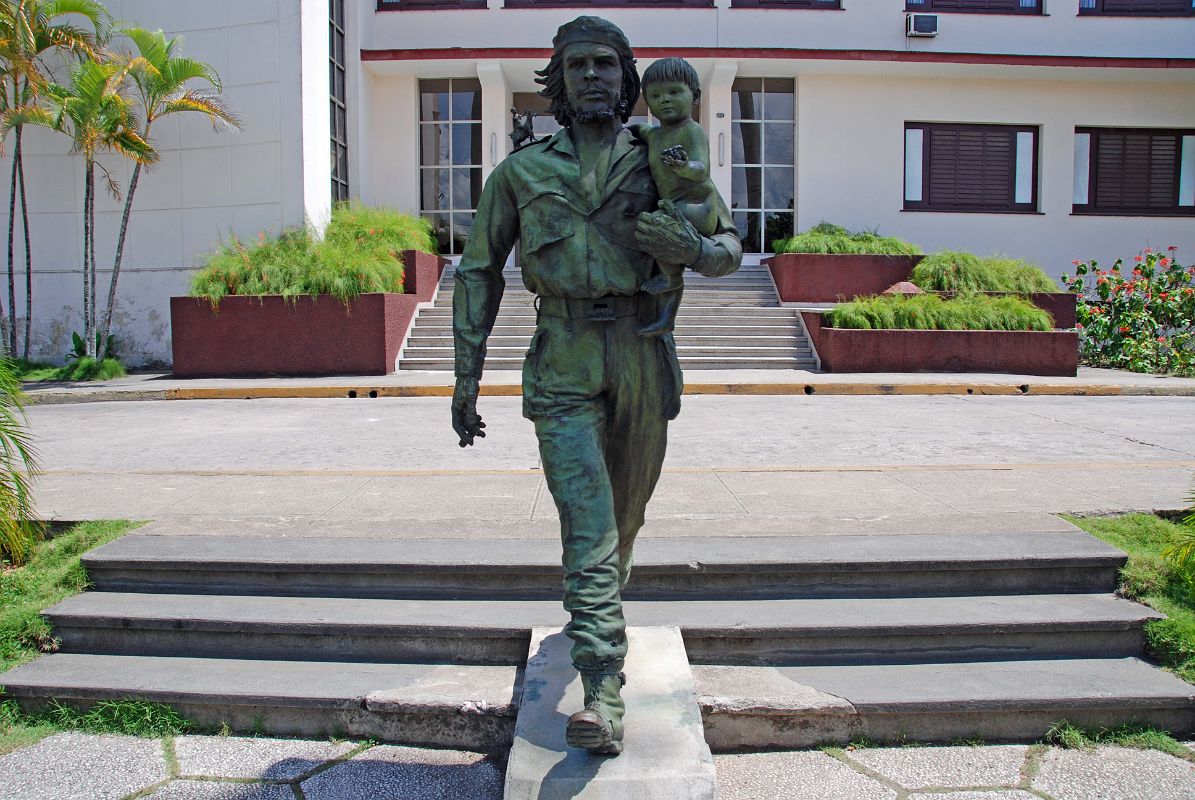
(794, 640)
(733, 322)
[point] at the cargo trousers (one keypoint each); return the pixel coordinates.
(601, 397)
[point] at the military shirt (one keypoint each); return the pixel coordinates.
(571, 244)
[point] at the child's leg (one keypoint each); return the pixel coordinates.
(667, 304)
(667, 278)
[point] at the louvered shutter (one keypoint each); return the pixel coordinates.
(970, 167)
(1135, 171)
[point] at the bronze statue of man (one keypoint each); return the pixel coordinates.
(582, 208)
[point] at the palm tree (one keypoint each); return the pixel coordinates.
(28, 30)
(98, 118)
(18, 528)
(161, 79)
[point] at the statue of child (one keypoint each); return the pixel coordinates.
(679, 155)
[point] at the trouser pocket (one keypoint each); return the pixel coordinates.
(673, 382)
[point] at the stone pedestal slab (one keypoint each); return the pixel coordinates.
(665, 756)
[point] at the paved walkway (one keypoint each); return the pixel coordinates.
(73, 766)
(760, 464)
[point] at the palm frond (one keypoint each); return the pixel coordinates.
(18, 463)
(206, 103)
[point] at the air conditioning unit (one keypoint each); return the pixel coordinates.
(921, 25)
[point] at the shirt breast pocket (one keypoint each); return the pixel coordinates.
(544, 214)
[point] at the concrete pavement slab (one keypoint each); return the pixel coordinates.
(398, 773)
(683, 493)
(1128, 487)
(799, 775)
(116, 495)
(996, 489)
(270, 494)
(77, 766)
(945, 767)
(260, 759)
(220, 790)
(828, 492)
(1111, 773)
(484, 495)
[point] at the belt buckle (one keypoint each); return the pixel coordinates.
(600, 311)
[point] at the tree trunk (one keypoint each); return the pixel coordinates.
(28, 248)
(88, 189)
(91, 294)
(106, 328)
(10, 336)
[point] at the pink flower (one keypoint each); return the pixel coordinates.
(1149, 250)
(1124, 328)
(1161, 340)
(1078, 324)
(1136, 258)
(1076, 262)
(1165, 262)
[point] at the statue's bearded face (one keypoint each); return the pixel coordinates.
(592, 81)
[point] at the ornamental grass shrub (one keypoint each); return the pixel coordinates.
(954, 271)
(360, 252)
(831, 239)
(1141, 319)
(931, 312)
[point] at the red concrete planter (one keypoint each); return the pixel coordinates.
(820, 278)
(1054, 353)
(268, 335)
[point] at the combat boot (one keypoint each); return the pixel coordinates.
(598, 727)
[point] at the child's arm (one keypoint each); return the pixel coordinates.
(696, 168)
(641, 130)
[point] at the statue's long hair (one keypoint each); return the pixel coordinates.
(551, 78)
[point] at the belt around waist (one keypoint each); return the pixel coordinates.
(601, 309)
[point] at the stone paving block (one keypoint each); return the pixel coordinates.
(399, 773)
(1115, 773)
(78, 766)
(1007, 794)
(218, 790)
(243, 757)
(801, 775)
(946, 767)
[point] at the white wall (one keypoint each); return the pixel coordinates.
(860, 25)
(208, 186)
(850, 140)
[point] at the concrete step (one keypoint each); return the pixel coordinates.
(469, 707)
(420, 339)
(447, 365)
(766, 632)
(665, 756)
(930, 564)
(497, 353)
(753, 708)
(721, 331)
(686, 311)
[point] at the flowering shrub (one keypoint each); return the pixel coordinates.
(1140, 318)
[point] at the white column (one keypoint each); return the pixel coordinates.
(716, 116)
(495, 112)
(316, 130)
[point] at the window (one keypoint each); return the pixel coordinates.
(951, 167)
(425, 5)
(340, 136)
(450, 158)
(1134, 171)
(762, 155)
(976, 6)
(1138, 8)
(608, 3)
(832, 5)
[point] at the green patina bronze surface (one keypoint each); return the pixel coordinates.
(581, 208)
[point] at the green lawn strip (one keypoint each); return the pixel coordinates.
(83, 369)
(52, 573)
(1149, 579)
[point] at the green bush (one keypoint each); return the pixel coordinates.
(360, 253)
(954, 271)
(931, 312)
(837, 240)
(19, 530)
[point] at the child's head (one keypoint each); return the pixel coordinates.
(673, 70)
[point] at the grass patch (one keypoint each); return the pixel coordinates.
(359, 253)
(931, 312)
(833, 239)
(52, 573)
(1150, 579)
(1141, 737)
(954, 271)
(127, 717)
(83, 369)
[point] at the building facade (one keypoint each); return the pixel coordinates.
(1049, 130)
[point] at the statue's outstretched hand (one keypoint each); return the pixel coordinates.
(667, 235)
(465, 419)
